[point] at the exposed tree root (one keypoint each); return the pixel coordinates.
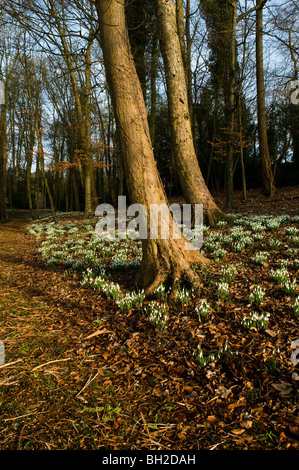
(211, 217)
(168, 262)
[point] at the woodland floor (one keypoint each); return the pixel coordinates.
(81, 374)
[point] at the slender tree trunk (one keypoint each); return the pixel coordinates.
(88, 169)
(268, 182)
(29, 161)
(16, 170)
(211, 157)
(242, 154)
(9, 188)
(192, 182)
(162, 258)
(13, 156)
(103, 138)
(3, 128)
(153, 79)
(183, 30)
(231, 110)
(44, 177)
(37, 181)
(294, 109)
(188, 66)
(244, 185)
(3, 163)
(74, 186)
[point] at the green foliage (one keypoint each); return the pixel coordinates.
(260, 257)
(160, 292)
(183, 295)
(130, 300)
(203, 360)
(256, 296)
(157, 313)
(291, 287)
(203, 309)
(280, 276)
(228, 273)
(256, 320)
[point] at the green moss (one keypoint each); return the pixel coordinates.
(216, 216)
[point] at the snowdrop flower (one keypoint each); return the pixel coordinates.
(280, 276)
(257, 295)
(158, 313)
(223, 289)
(291, 287)
(183, 296)
(203, 309)
(260, 257)
(130, 300)
(228, 273)
(256, 320)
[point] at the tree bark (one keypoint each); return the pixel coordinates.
(153, 85)
(268, 182)
(9, 57)
(162, 258)
(192, 182)
(188, 66)
(231, 109)
(138, 36)
(42, 167)
(240, 118)
(29, 161)
(294, 109)
(3, 163)
(180, 14)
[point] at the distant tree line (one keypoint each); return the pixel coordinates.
(59, 139)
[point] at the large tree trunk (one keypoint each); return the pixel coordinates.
(180, 14)
(183, 30)
(137, 29)
(162, 258)
(192, 182)
(268, 182)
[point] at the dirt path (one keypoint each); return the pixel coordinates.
(42, 363)
(57, 389)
